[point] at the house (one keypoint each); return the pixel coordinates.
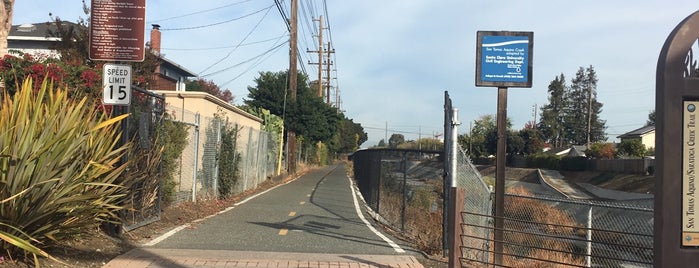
(35, 39)
(572, 151)
(168, 75)
(645, 134)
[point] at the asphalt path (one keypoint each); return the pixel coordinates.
(315, 213)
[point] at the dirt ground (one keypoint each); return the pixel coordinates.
(635, 183)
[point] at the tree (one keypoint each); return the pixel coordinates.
(582, 122)
(309, 116)
(476, 142)
(603, 150)
(210, 87)
(270, 90)
(632, 147)
(533, 140)
(395, 140)
(423, 144)
(515, 143)
(551, 125)
(349, 137)
(6, 12)
(651, 118)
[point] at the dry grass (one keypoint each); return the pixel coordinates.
(541, 219)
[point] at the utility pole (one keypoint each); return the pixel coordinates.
(534, 112)
(320, 56)
(589, 115)
(322, 63)
(330, 50)
(293, 72)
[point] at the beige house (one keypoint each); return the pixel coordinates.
(184, 104)
(645, 134)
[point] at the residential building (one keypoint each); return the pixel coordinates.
(645, 134)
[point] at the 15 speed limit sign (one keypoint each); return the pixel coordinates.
(116, 83)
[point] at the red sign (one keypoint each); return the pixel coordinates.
(117, 30)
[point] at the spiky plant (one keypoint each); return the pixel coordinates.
(59, 167)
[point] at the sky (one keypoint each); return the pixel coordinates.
(394, 59)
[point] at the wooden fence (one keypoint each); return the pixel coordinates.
(637, 166)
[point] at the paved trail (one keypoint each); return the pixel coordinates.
(310, 222)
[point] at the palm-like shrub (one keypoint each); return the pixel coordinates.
(59, 167)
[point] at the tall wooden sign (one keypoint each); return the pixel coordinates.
(676, 218)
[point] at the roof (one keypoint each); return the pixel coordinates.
(177, 66)
(36, 31)
(640, 132)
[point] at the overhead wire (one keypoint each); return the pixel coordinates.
(199, 12)
(268, 53)
(275, 46)
(241, 41)
(225, 47)
(217, 23)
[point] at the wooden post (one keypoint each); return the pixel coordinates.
(456, 201)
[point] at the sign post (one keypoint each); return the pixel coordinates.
(675, 218)
(503, 59)
(117, 33)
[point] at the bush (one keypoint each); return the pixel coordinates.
(229, 160)
(59, 160)
(173, 136)
(573, 163)
(545, 161)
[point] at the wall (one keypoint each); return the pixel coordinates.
(183, 107)
(207, 106)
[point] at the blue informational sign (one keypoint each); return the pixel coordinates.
(504, 59)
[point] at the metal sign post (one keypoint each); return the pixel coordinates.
(503, 59)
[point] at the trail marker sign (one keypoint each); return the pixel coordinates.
(116, 84)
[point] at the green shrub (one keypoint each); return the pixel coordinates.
(60, 156)
(545, 161)
(573, 163)
(229, 160)
(173, 136)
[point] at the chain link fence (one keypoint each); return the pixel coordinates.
(142, 127)
(404, 187)
(221, 158)
(552, 231)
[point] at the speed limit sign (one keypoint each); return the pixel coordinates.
(116, 84)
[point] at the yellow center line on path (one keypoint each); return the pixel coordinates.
(308, 195)
(283, 231)
(291, 214)
(302, 202)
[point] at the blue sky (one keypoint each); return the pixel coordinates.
(394, 59)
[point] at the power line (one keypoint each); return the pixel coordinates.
(241, 41)
(218, 23)
(246, 61)
(224, 47)
(283, 14)
(199, 12)
(269, 53)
